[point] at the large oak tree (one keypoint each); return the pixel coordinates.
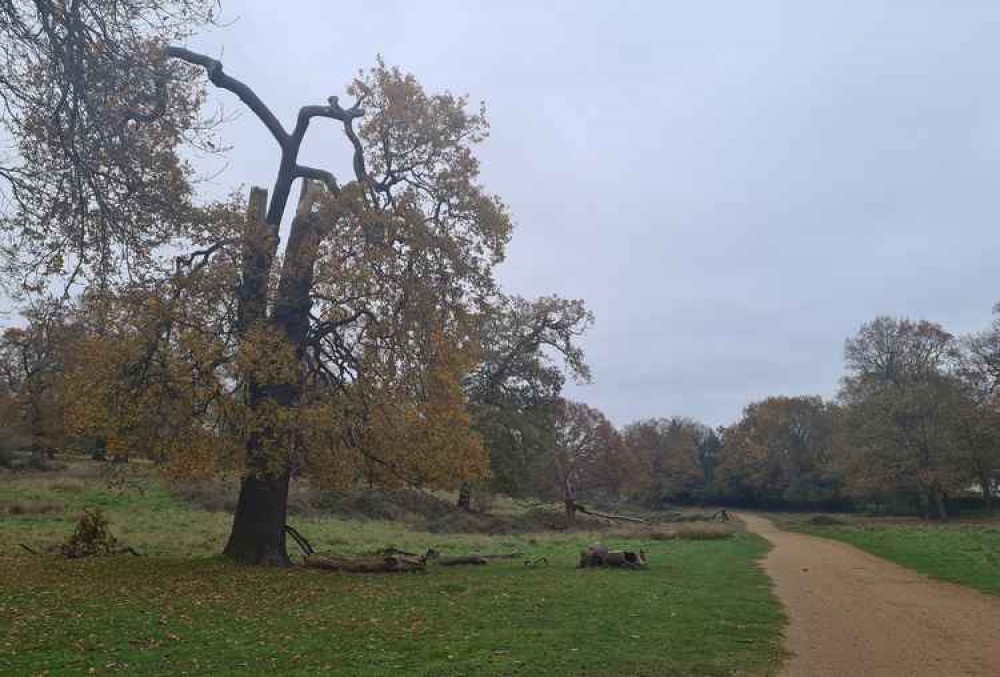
(338, 350)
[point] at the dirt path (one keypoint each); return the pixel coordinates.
(851, 613)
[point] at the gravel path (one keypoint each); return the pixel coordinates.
(853, 614)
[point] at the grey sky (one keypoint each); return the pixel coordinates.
(733, 187)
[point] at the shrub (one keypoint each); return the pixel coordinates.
(825, 521)
(91, 537)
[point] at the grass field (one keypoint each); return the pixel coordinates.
(966, 553)
(701, 608)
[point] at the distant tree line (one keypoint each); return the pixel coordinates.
(914, 429)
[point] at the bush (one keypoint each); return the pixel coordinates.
(91, 537)
(825, 521)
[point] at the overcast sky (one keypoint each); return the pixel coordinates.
(733, 187)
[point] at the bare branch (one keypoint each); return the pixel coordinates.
(220, 79)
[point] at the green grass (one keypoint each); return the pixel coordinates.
(961, 553)
(701, 608)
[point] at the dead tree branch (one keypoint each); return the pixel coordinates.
(607, 516)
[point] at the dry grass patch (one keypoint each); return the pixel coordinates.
(693, 532)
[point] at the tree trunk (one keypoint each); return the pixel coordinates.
(569, 499)
(923, 504)
(258, 534)
(939, 504)
(100, 452)
(465, 497)
(986, 486)
(570, 512)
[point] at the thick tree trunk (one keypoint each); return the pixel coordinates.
(465, 496)
(258, 534)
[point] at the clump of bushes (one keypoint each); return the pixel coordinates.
(825, 521)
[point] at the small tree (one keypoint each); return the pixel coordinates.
(579, 437)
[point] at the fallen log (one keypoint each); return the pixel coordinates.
(390, 551)
(503, 555)
(458, 560)
(366, 564)
(604, 515)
